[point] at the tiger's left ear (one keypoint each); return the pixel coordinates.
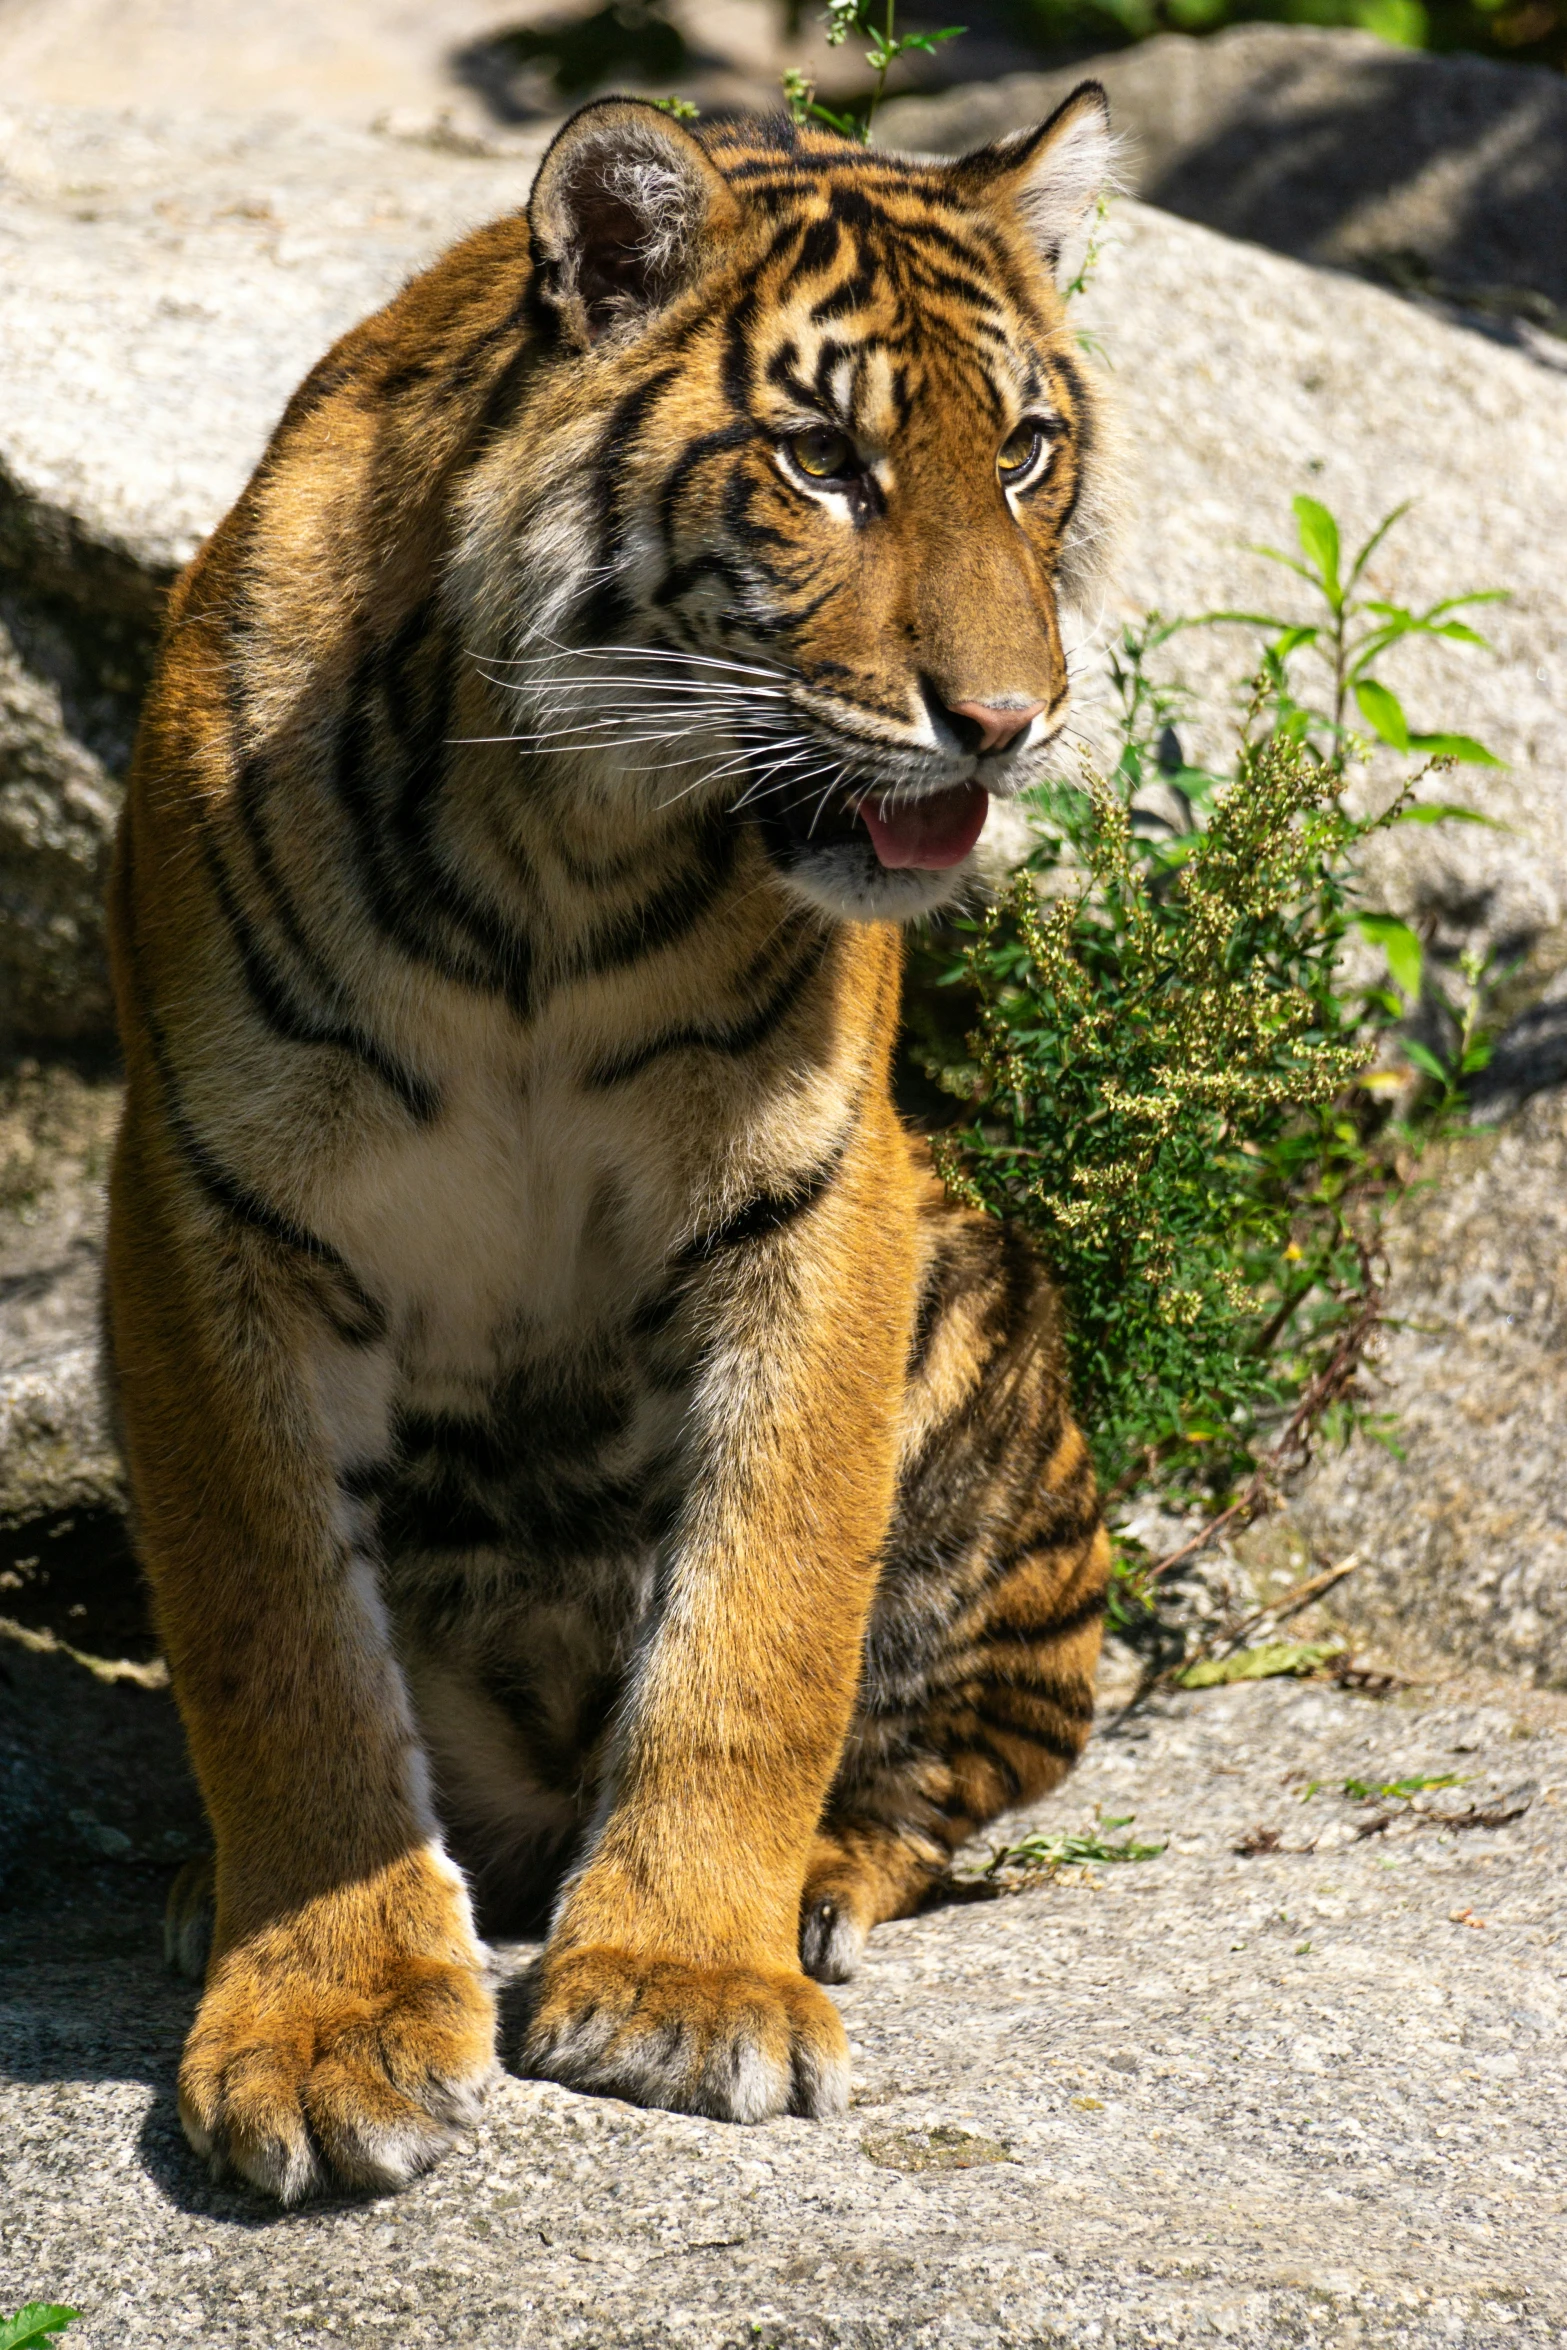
(624, 214)
(1054, 174)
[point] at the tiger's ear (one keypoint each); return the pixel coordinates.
(623, 214)
(1055, 175)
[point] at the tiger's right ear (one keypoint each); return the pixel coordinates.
(1055, 174)
(623, 214)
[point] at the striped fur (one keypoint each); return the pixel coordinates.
(572, 1436)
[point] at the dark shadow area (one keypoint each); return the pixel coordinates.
(1490, 141)
(522, 72)
(1528, 1056)
(73, 1574)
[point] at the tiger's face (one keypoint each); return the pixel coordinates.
(809, 471)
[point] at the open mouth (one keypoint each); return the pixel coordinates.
(928, 834)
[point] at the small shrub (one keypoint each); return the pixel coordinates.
(1168, 1078)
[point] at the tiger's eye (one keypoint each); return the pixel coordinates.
(1020, 448)
(822, 453)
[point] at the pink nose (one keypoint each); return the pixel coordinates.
(996, 727)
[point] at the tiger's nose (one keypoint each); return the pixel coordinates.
(985, 727)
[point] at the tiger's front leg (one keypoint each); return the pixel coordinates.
(672, 1975)
(346, 2025)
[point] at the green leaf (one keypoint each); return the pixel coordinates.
(1383, 713)
(1475, 596)
(1462, 747)
(1424, 1058)
(1375, 1790)
(1405, 955)
(1267, 1663)
(35, 2323)
(1457, 632)
(1377, 536)
(1247, 619)
(1318, 535)
(1290, 562)
(1443, 812)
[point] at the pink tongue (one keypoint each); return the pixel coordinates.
(931, 833)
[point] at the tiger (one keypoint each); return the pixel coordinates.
(594, 1483)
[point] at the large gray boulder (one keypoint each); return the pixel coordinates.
(1462, 1529)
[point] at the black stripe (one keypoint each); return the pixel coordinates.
(291, 1021)
(769, 1212)
(1064, 1749)
(605, 611)
(935, 1297)
(665, 917)
(741, 1036)
(1007, 1772)
(409, 892)
(1088, 1611)
(697, 452)
(235, 1198)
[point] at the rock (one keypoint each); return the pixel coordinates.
(1462, 1532)
(1307, 2096)
(56, 1450)
(166, 282)
(1447, 175)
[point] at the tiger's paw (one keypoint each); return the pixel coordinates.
(855, 1880)
(302, 2077)
(737, 2043)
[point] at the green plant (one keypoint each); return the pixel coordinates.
(1398, 1790)
(1167, 1077)
(846, 19)
(34, 2324)
(1042, 1855)
(1273, 1660)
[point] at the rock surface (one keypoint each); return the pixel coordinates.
(56, 1452)
(1463, 1540)
(1445, 174)
(1313, 2095)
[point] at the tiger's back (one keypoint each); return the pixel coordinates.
(565, 1418)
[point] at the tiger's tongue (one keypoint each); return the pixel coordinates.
(931, 833)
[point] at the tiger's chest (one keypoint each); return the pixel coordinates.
(522, 1393)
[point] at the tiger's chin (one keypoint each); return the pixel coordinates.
(864, 857)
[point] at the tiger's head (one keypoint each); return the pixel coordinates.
(807, 465)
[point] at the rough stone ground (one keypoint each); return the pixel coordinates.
(1315, 2096)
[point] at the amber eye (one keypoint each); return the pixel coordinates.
(1020, 448)
(822, 453)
